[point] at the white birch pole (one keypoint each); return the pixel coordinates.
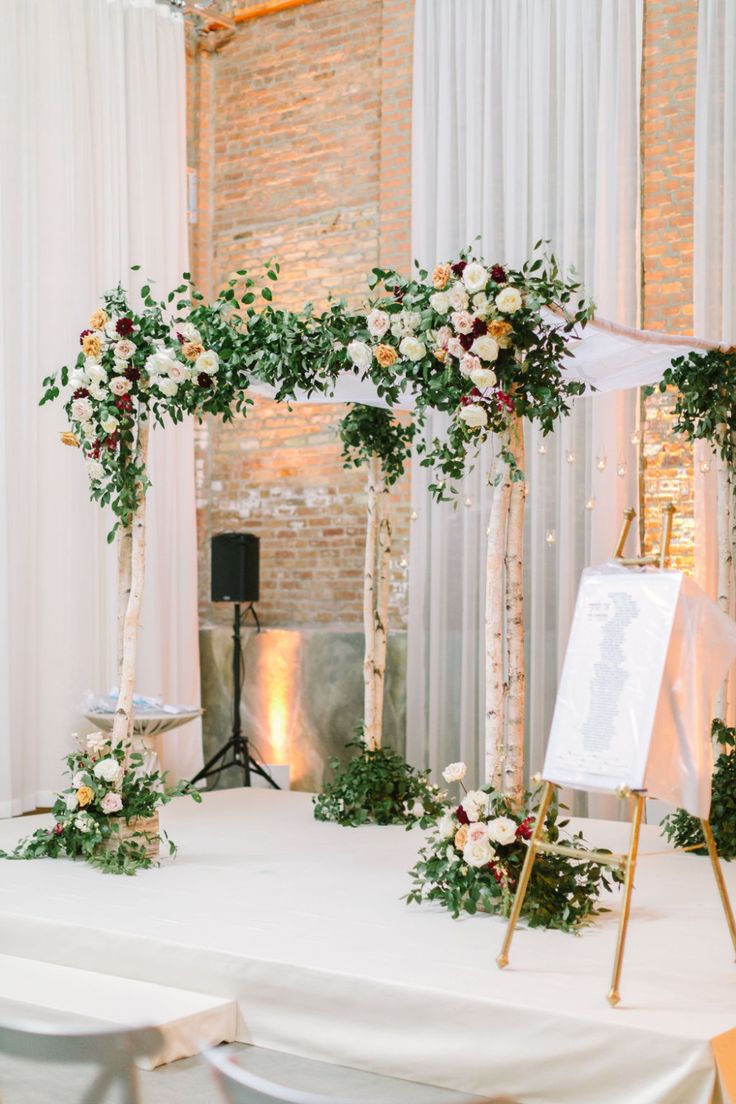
(123, 722)
(494, 621)
(725, 561)
(383, 579)
(370, 731)
(515, 682)
(125, 547)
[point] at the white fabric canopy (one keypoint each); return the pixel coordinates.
(92, 180)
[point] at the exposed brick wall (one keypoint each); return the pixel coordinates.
(301, 142)
(667, 138)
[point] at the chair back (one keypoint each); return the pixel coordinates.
(113, 1051)
(239, 1086)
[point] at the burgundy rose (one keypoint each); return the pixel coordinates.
(475, 393)
(466, 340)
(58, 828)
(181, 338)
(124, 326)
(459, 267)
(504, 400)
(398, 295)
(112, 442)
(84, 334)
(123, 402)
(204, 380)
(479, 327)
(498, 273)
(524, 831)
(461, 815)
(132, 373)
(81, 393)
(95, 450)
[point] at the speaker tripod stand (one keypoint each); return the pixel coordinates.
(236, 752)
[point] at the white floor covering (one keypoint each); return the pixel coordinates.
(302, 924)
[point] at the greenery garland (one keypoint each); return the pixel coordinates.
(473, 857)
(368, 431)
(110, 785)
(378, 787)
(684, 830)
(705, 398)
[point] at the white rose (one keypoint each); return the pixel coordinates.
(119, 385)
(483, 377)
(95, 371)
(457, 297)
(454, 772)
(474, 416)
(167, 386)
(189, 332)
(378, 322)
(97, 391)
(412, 348)
(107, 769)
(207, 362)
(82, 410)
(502, 830)
(417, 809)
(110, 424)
(481, 303)
(124, 349)
(360, 354)
(478, 853)
(475, 277)
(70, 800)
(475, 804)
(508, 300)
(83, 822)
(439, 302)
(79, 378)
(485, 347)
(87, 430)
(447, 826)
(95, 469)
(158, 364)
(178, 372)
(111, 329)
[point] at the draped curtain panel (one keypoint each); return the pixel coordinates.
(92, 180)
(525, 126)
(715, 231)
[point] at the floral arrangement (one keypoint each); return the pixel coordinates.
(378, 787)
(684, 830)
(474, 854)
(111, 785)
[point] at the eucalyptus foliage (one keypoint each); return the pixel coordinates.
(705, 399)
(368, 431)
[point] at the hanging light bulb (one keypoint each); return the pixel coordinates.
(570, 457)
(551, 537)
(468, 502)
(621, 470)
(403, 562)
(414, 515)
(600, 462)
(488, 531)
(542, 448)
(705, 466)
(590, 504)
(635, 437)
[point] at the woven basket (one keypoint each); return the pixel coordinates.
(123, 830)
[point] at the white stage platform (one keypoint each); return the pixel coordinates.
(302, 925)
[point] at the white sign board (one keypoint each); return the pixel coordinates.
(608, 694)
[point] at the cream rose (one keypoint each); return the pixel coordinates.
(79, 378)
(406, 323)
(70, 800)
(360, 355)
(454, 772)
(119, 385)
(124, 349)
(502, 830)
(439, 302)
(412, 348)
(457, 297)
(478, 854)
(475, 277)
(378, 322)
(95, 371)
(509, 300)
(82, 410)
(481, 303)
(107, 769)
(167, 386)
(446, 826)
(207, 362)
(97, 391)
(462, 321)
(110, 423)
(95, 469)
(483, 377)
(485, 347)
(83, 823)
(475, 804)
(159, 364)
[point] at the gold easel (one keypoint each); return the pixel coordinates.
(627, 862)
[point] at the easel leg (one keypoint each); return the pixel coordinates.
(526, 870)
(614, 995)
(718, 875)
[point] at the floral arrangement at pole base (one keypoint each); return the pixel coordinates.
(108, 815)
(378, 787)
(473, 858)
(684, 830)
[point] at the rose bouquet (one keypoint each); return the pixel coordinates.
(107, 815)
(474, 854)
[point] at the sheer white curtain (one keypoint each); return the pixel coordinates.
(92, 180)
(525, 126)
(715, 229)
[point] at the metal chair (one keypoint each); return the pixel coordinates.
(238, 1086)
(115, 1051)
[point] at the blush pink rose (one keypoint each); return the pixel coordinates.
(463, 322)
(111, 803)
(454, 348)
(477, 833)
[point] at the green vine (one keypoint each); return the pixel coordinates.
(684, 830)
(705, 400)
(377, 787)
(368, 431)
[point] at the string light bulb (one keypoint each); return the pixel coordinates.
(551, 537)
(600, 462)
(542, 448)
(621, 470)
(635, 437)
(414, 515)
(570, 457)
(468, 502)
(590, 504)
(705, 466)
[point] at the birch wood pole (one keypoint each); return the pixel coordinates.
(370, 720)
(495, 698)
(515, 682)
(123, 722)
(380, 613)
(725, 560)
(125, 548)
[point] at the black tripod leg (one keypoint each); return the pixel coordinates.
(256, 768)
(206, 769)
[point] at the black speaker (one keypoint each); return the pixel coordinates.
(235, 573)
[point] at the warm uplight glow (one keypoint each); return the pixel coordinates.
(279, 658)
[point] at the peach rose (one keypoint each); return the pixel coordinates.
(85, 795)
(461, 837)
(192, 350)
(500, 331)
(440, 355)
(98, 319)
(386, 355)
(441, 276)
(70, 439)
(91, 345)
